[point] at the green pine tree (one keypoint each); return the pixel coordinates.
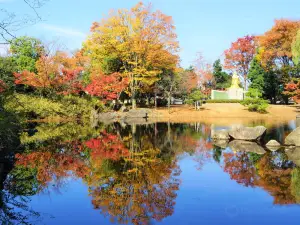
(257, 75)
(265, 81)
(222, 79)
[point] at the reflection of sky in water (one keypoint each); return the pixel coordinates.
(207, 194)
(205, 197)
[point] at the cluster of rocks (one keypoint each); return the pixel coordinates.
(124, 115)
(249, 139)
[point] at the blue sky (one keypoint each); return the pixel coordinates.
(207, 26)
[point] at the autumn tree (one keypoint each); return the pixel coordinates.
(276, 43)
(204, 71)
(188, 80)
(107, 87)
(168, 85)
(239, 56)
(58, 73)
(292, 89)
(139, 42)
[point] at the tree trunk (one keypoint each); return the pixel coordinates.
(133, 100)
(169, 102)
(245, 86)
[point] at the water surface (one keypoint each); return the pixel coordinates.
(144, 174)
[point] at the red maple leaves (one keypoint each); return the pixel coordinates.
(240, 55)
(107, 87)
(107, 146)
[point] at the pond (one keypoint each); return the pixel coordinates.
(159, 173)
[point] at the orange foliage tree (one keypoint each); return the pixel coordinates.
(144, 42)
(204, 72)
(292, 89)
(239, 56)
(275, 44)
(107, 87)
(59, 73)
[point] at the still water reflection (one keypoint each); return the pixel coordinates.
(144, 174)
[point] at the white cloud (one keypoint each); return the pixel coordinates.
(62, 31)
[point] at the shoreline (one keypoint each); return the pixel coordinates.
(222, 114)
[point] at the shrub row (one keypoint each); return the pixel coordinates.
(38, 107)
(256, 105)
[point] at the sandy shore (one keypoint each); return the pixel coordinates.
(228, 114)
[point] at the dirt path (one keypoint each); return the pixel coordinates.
(228, 113)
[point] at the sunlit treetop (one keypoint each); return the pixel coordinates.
(276, 43)
(143, 41)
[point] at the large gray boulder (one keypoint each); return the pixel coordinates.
(108, 117)
(273, 145)
(246, 146)
(220, 143)
(138, 113)
(220, 135)
(248, 133)
(293, 138)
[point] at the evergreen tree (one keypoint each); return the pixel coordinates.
(222, 79)
(266, 82)
(257, 75)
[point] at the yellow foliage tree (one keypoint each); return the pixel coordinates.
(144, 42)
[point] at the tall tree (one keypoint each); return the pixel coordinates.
(143, 41)
(263, 80)
(222, 79)
(188, 80)
(26, 51)
(239, 56)
(169, 84)
(204, 71)
(275, 52)
(296, 49)
(257, 76)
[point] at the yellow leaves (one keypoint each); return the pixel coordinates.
(144, 41)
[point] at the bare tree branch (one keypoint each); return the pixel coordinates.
(10, 22)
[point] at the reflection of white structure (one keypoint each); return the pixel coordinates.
(234, 92)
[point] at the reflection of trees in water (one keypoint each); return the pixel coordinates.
(14, 207)
(132, 171)
(240, 168)
(138, 186)
(132, 174)
(272, 171)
